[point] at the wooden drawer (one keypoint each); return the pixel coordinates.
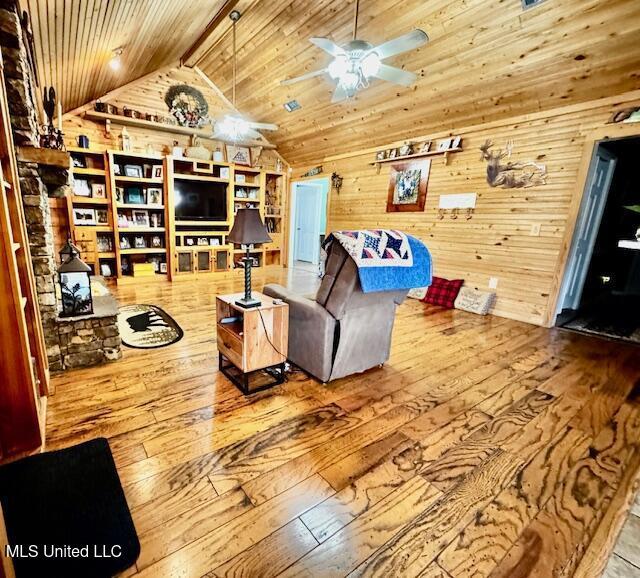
(230, 344)
(84, 234)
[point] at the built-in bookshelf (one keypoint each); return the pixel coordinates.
(274, 211)
(140, 214)
(91, 217)
(200, 237)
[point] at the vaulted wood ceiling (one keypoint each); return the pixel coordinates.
(75, 39)
(487, 59)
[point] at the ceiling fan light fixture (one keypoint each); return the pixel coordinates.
(115, 61)
(338, 67)
(349, 81)
(233, 128)
(370, 65)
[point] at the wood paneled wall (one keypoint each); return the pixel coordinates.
(497, 240)
(147, 95)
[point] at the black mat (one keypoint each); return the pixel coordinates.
(68, 498)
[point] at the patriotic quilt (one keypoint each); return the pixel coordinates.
(387, 259)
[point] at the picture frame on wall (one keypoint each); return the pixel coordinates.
(239, 155)
(83, 216)
(156, 241)
(407, 191)
(134, 196)
(98, 190)
(444, 144)
(139, 242)
(425, 147)
(455, 143)
(157, 171)
(125, 243)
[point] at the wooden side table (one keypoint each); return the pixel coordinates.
(251, 340)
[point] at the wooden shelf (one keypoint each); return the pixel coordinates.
(417, 156)
(182, 177)
(107, 255)
(88, 171)
(96, 228)
(141, 123)
(137, 155)
(146, 251)
(79, 200)
(85, 151)
(141, 206)
(254, 185)
(246, 200)
(124, 230)
(203, 223)
(123, 178)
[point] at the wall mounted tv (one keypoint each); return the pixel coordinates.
(200, 201)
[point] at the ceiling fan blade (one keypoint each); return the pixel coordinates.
(263, 125)
(303, 77)
(395, 75)
(327, 45)
(253, 134)
(340, 94)
(404, 43)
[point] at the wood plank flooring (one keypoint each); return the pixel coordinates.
(484, 447)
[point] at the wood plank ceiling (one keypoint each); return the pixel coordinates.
(487, 60)
(74, 40)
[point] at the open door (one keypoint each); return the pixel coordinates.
(309, 200)
(584, 238)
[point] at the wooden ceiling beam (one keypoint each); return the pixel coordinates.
(200, 46)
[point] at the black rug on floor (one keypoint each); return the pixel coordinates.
(70, 498)
(147, 327)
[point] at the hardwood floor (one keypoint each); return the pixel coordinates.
(484, 447)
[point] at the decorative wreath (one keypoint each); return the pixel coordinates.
(187, 105)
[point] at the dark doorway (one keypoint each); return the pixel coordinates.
(601, 292)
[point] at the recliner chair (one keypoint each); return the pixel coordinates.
(344, 330)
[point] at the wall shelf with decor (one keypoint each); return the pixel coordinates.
(140, 209)
(418, 155)
(90, 210)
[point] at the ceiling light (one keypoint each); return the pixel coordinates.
(115, 63)
(370, 64)
(338, 67)
(349, 81)
(233, 128)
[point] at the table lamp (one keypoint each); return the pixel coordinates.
(248, 230)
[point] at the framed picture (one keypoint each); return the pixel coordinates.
(98, 190)
(123, 222)
(125, 264)
(202, 241)
(381, 155)
(154, 196)
(455, 143)
(102, 217)
(163, 267)
(408, 186)
(134, 196)
(104, 244)
(105, 270)
(240, 178)
(425, 147)
(119, 194)
(393, 153)
(140, 218)
(82, 216)
(79, 162)
(239, 155)
(156, 241)
(224, 172)
(444, 144)
(117, 170)
(190, 241)
(124, 243)
(148, 171)
(81, 188)
(405, 150)
(139, 242)
(157, 171)
(155, 220)
(133, 171)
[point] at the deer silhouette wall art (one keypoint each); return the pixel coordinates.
(511, 175)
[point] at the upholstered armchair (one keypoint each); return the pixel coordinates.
(343, 330)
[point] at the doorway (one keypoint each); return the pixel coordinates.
(600, 293)
(308, 223)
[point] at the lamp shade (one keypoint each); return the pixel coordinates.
(248, 228)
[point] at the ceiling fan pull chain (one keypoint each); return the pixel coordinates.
(233, 94)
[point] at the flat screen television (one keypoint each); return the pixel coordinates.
(200, 201)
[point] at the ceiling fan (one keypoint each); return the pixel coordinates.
(234, 127)
(355, 63)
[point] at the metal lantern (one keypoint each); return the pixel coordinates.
(75, 287)
(68, 251)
